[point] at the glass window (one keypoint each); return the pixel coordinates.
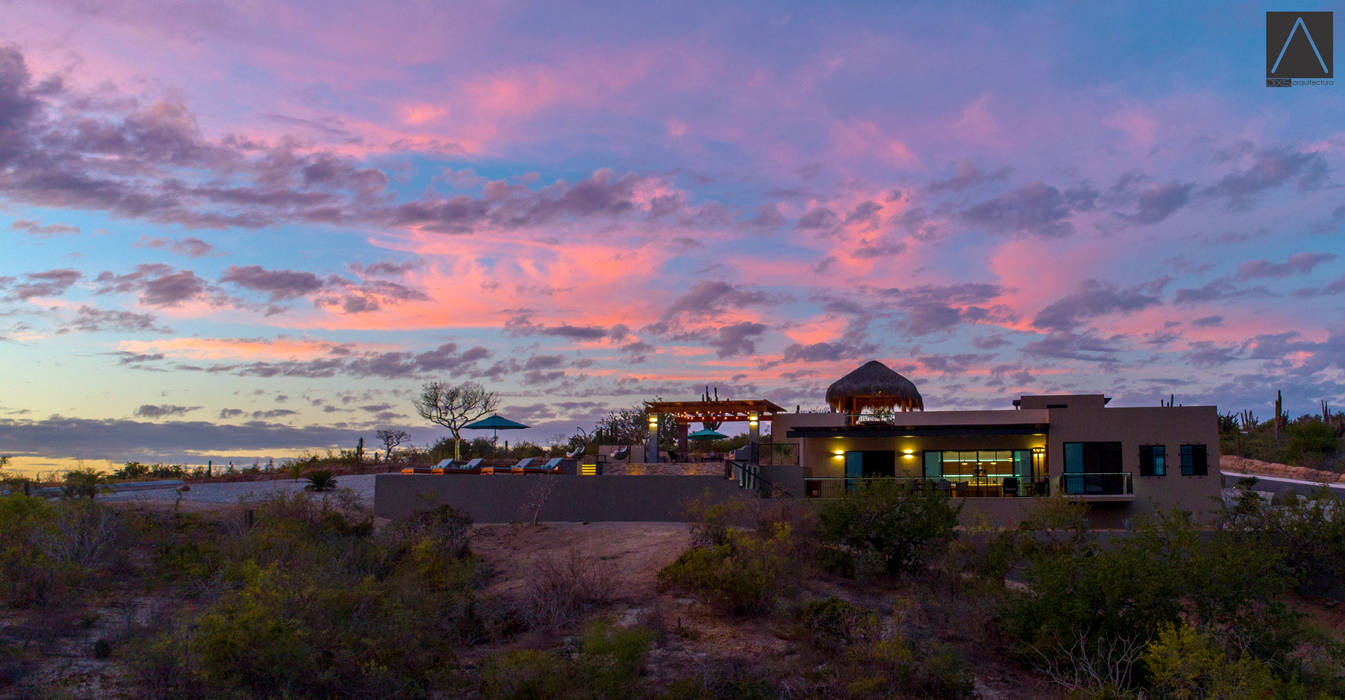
(1093, 457)
(1194, 460)
(933, 464)
(1153, 460)
(1073, 456)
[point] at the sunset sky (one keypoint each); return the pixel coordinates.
(250, 228)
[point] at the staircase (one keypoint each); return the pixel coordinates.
(749, 478)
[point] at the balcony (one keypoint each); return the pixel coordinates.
(983, 487)
(1112, 486)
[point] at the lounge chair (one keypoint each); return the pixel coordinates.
(436, 469)
(442, 466)
(552, 466)
(522, 465)
(517, 467)
(472, 467)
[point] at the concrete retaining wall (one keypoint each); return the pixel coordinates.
(513, 497)
(663, 469)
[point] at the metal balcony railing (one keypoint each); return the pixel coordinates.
(1106, 484)
(982, 487)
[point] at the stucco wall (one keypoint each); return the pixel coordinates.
(510, 498)
(1169, 426)
(1086, 420)
(663, 468)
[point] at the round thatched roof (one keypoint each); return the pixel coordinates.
(874, 385)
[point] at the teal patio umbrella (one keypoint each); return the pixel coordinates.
(707, 434)
(495, 422)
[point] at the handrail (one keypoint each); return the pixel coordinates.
(1097, 484)
(749, 477)
(956, 487)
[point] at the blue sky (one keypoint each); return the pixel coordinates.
(237, 232)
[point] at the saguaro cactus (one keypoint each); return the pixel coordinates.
(1279, 414)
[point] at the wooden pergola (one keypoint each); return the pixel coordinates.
(684, 413)
(687, 412)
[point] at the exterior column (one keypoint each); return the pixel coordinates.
(754, 437)
(682, 441)
(651, 445)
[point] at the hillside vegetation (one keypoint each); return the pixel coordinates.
(874, 595)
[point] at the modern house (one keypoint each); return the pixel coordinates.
(997, 463)
(1123, 460)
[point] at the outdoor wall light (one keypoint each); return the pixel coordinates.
(838, 453)
(752, 419)
(653, 420)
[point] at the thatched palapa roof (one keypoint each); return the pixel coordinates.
(873, 385)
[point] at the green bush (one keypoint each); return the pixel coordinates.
(308, 602)
(893, 668)
(744, 576)
(886, 526)
(320, 480)
(1184, 664)
(1309, 441)
(608, 665)
(83, 483)
(712, 522)
(51, 549)
(834, 625)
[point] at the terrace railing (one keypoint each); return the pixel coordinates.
(1106, 484)
(998, 487)
(780, 454)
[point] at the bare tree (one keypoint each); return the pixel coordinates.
(390, 439)
(454, 407)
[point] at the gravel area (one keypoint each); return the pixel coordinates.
(225, 493)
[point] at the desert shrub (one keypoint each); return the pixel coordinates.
(320, 480)
(607, 665)
(311, 605)
(886, 527)
(721, 681)
(744, 576)
(1309, 441)
(1309, 533)
(612, 658)
(560, 591)
(1091, 610)
(83, 483)
(52, 548)
(444, 525)
(833, 625)
(24, 578)
(1184, 664)
(892, 667)
(712, 522)
(524, 674)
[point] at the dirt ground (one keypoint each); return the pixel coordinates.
(1246, 465)
(634, 551)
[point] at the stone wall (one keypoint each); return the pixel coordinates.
(663, 469)
(502, 498)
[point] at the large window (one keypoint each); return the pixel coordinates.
(1194, 460)
(968, 464)
(1153, 460)
(1093, 457)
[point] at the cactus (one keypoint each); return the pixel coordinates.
(710, 424)
(1279, 414)
(1247, 420)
